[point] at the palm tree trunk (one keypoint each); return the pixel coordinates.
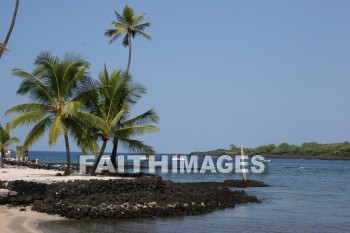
(114, 153)
(99, 157)
(11, 28)
(129, 60)
(1, 163)
(67, 171)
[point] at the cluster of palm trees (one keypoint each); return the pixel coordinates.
(5, 142)
(67, 102)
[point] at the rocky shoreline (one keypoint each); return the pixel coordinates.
(135, 195)
(141, 197)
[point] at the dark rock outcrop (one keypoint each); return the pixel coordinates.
(144, 196)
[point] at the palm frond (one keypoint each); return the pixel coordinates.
(71, 108)
(117, 117)
(125, 41)
(28, 107)
(110, 32)
(56, 130)
(136, 146)
(74, 72)
(138, 18)
(120, 18)
(114, 38)
(119, 27)
(148, 37)
(91, 120)
(27, 118)
(37, 132)
(32, 85)
(86, 137)
(128, 15)
(136, 130)
(141, 27)
(149, 117)
(11, 141)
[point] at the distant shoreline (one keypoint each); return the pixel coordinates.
(286, 156)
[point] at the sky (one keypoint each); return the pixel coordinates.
(217, 72)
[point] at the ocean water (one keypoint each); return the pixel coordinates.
(304, 196)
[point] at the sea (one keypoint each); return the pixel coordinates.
(304, 196)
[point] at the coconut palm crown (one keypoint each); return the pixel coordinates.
(129, 26)
(54, 86)
(116, 96)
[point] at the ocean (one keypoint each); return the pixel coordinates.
(304, 196)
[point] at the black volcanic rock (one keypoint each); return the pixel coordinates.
(140, 197)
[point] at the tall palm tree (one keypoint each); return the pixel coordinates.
(130, 26)
(14, 15)
(54, 87)
(117, 94)
(5, 141)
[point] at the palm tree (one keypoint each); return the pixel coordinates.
(3, 48)
(5, 141)
(117, 94)
(130, 26)
(14, 15)
(54, 87)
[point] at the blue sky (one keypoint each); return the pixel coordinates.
(217, 72)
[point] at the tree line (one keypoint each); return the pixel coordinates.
(341, 149)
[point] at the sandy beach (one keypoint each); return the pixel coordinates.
(11, 173)
(13, 220)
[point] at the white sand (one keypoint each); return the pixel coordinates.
(13, 220)
(11, 173)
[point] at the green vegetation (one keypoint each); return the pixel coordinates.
(115, 96)
(66, 101)
(54, 87)
(5, 141)
(310, 149)
(130, 26)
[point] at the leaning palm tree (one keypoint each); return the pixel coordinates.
(130, 26)
(5, 141)
(14, 15)
(117, 94)
(54, 86)
(3, 48)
